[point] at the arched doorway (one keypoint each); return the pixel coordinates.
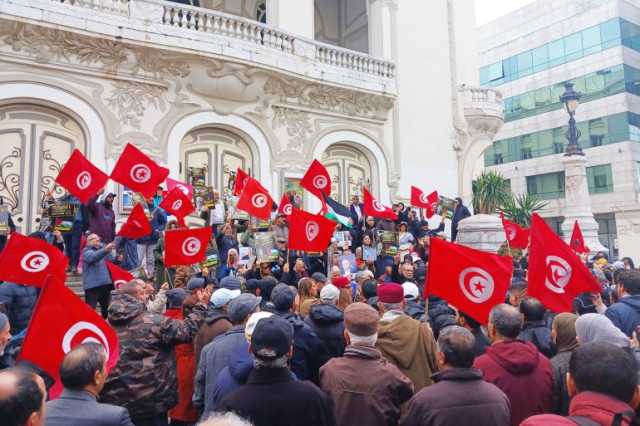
(349, 169)
(35, 143)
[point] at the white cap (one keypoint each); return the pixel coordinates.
(222, 296)
(411, 291)
(253, 321)
(329, 293)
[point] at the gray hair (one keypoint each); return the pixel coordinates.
(225, 419)
(506, 319)
(363, 340)
(363, 275)
(458, 346)
(392, 306)
(280, 362)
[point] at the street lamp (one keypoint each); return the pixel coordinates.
(570, 100)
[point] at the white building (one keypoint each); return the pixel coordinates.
(370, 87)
(528, 55)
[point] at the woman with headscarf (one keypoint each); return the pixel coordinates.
(563, 334)
(598, 328)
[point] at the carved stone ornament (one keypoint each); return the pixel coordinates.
(298, 124)
(130, 100)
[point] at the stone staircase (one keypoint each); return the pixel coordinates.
(74, 282)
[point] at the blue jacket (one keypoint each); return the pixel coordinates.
(307, 349)
(625, 314)
(94, 270)
(158, 223)
(129, 250)
(19, 301)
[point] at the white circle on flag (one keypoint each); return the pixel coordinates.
(34, 261)
(476, 284)
(320, 182)
(511, 232)
(312, 230)
(191, 246)
(140, 173)
(557, 274)
(424, 198)
(118, 283)
(176, 205)
(80, 326)
(259, 200)
(287, 209)
(377, 206)
(183, 188)
(83, 180)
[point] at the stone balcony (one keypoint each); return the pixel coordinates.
(176, 27)
(483, 110)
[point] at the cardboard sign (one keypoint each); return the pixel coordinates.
(265, 246)
(347, 264)
(369, 254)
(211, 259)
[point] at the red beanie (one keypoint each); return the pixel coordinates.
(390, 293)
(341, 282)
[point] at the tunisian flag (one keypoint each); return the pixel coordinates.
(29, 261)
(138, 172)
(177, 204)
(556, 274)
(373, 207)
(309, 232)
(517, 236)
(285, 207)
(472, 280)
(137, 224)
(81, 178)
(184, 187)
(60, 322)
(241, 180)
(118, 275)
(255, 200)
(185, 246)
(577, 240)
(317, 180)
(422, 200)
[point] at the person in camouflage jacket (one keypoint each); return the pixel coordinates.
(144, 379)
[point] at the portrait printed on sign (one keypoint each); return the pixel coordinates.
(294, 191)
(347, 264)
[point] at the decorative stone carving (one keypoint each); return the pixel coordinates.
(482, 232)
(298, 124)
(130, 99)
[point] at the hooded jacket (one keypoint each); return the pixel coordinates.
(144, 379)
(625, 314)
(216, 323)
(522, 373)
(307, 349)
(539, 334)
(102, 220)
(94, 269)
(410, 346)
(19, 301)
(327, 322)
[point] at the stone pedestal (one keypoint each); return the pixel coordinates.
(578, 203)
(482, 232)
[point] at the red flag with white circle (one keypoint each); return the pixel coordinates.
(473, 281)
(184, 187)
(255, 200)
(135, 170)
(286, 206)
(186, 246)
(517, 236)
(119, 276)
(241, 180)
(81, 178)
(177, 204)
(137, 224)
(373, 207)
(309, 232)
(577, 240)
(317, 180)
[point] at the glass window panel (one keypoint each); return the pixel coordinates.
(484, 75)
(495, 71)
(556, 53)
(540, 57)
(632, 80)
(591, 40)
(634, 127)
(543, 97)
(528, 101)
(610, 33)
(597, 131)
(573, 47)
(556, 91)
(549, 186)
(593, 83)
(618, 128)
(630, 35)
(545, 143)
(600, 179)
(579, 84)
(525, 64)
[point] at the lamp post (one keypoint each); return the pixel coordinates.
(570, 98)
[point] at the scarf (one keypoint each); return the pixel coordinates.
(598, 328)
(565, 326)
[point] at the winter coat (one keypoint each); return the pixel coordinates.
(599, 408)
(215, 324)
(415, 310)
(158, 222)
(102, 220)
(144, 379)
(186, 370)
(129, 250)
(410, 346)
(365, 388)
(539, 334)
(458, 393)
(625, 314)
(327, 322)
(214, 357)
(94, 269)
(560, 366)
(461, 212)
(225, 243)
(307, 349)
(282, 400)
(481, 343)
(522, 373)
(19, 301)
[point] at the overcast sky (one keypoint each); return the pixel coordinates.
(488, 10)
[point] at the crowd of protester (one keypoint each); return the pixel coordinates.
(296, 339)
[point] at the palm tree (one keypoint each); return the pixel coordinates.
(490, 191)
(519, 208)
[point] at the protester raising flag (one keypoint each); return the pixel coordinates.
(556, 274)
(185, 246)
(317, 180)
(138, 172)
(177, 204)
(137, 224)
(241, 180)
(309, 232)
(60, 322)
(118, 275)
(337, 212)
(28, 261)
(285, 207)
(81, 178)
(184, 187)
(577, 240)
(373, 207)
(422, 200)
(472, 280)
(255, 200)
(517, 236)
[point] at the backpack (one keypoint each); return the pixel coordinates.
(617, 419)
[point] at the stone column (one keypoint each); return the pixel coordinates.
(382, 24)
(293, 16)
(578, 203)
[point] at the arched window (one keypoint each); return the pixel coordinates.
(261, 12)
(349, 169)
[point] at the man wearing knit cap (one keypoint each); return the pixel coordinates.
(362, 371)
(407, 343)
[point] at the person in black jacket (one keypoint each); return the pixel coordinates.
(535, 328)
(461, 212)
(327, 321)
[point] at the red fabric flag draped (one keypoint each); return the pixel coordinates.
(577, 240)
(517, 236)
(422, 200)
(61, 321)
(241, 180)
(137, 224)
(255, 200)
(373, 207)
(185, 246)
(309, 232)
(138, 172)
(29, 261)
(118, 275)
(184, 187)
(285, 207)
(317, 180)
(472, 280)
(177, 204)
(556, 274)
(81, 178)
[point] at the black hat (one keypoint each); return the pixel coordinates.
(272, 338)
(282, 297)
(175, 297)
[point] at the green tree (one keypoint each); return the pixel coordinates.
(490, 191)
(519, 208)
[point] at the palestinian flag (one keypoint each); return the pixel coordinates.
(337, 212)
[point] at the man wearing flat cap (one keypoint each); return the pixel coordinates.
(407, 343)
(271, 396)
(362, 371)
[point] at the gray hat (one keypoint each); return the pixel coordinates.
(196, 283)
(319, 277)
(231, 283)
(282, 297)
(4, 320)
(175, 297)
(243, 305)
